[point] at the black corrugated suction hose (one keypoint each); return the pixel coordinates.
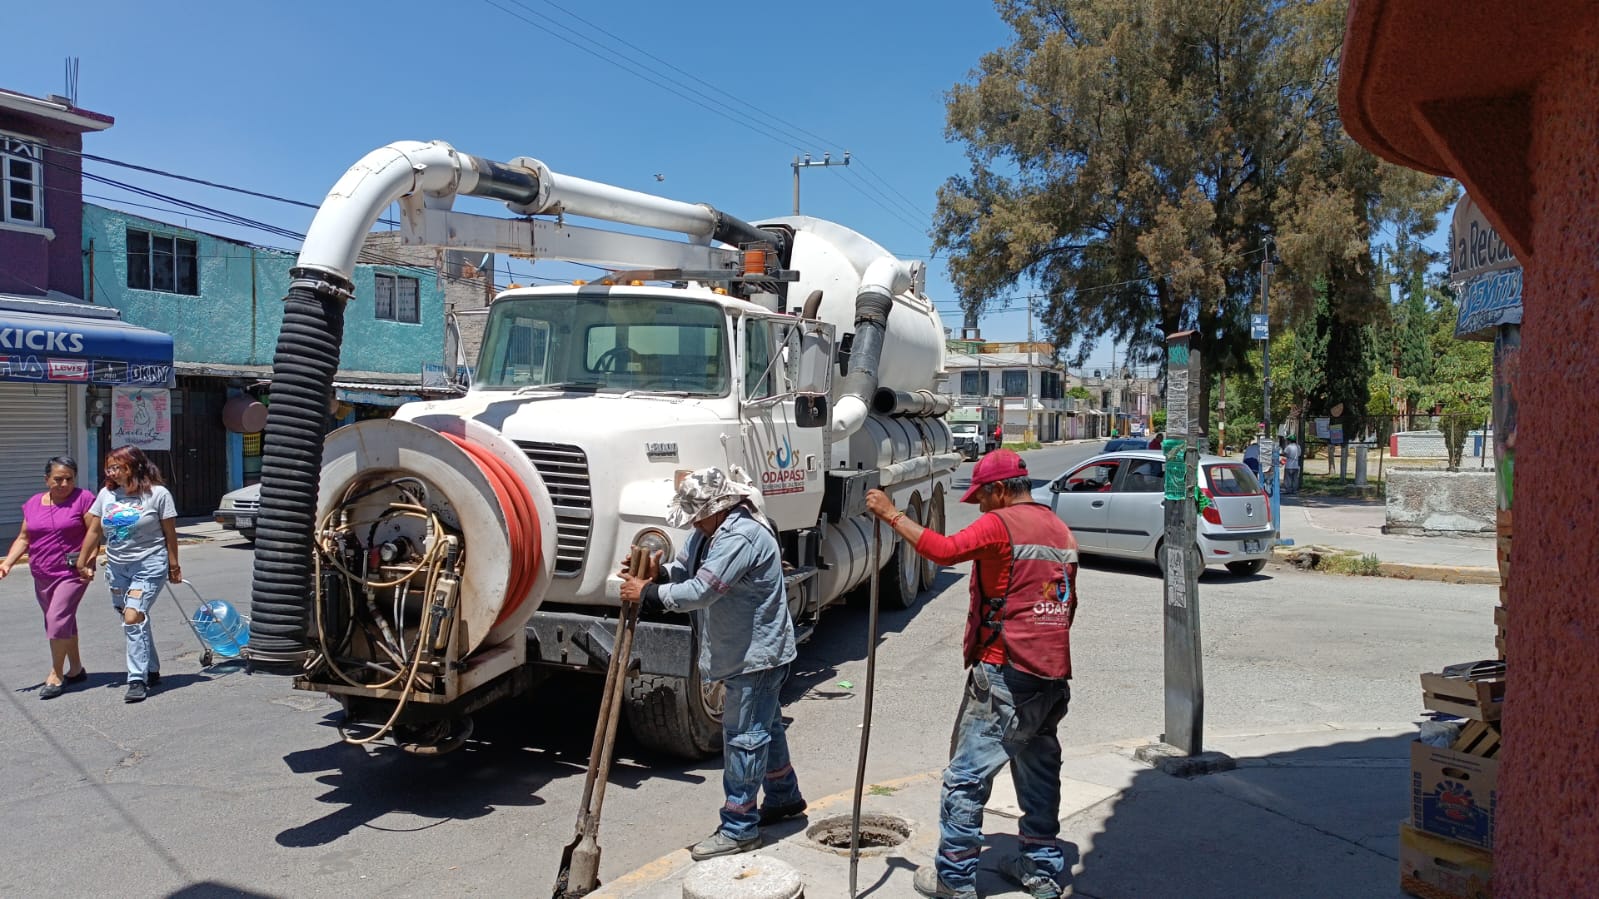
(291, 462)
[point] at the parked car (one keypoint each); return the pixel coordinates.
(1114, 504)
(972, 440)
(238, 510)
(1118, 444)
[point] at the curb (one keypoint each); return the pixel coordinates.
(1410, 571)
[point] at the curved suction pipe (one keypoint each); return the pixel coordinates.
(910, 403)
(884, 278)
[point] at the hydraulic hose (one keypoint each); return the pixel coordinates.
(521, 521)
(291, 460)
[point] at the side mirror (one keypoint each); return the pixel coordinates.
(1057, 486)
(810, 412)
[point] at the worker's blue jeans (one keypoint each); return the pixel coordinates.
(755, 750)
(1006, 716)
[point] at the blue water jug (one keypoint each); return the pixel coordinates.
(222, 628)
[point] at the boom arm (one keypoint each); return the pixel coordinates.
(427, 177)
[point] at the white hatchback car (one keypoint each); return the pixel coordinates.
(1115, 505)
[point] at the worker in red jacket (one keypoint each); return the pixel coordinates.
(1018, 649)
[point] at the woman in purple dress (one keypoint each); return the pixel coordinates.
(53, 526)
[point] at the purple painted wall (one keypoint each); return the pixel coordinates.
(30, 262)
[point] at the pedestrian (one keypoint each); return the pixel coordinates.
(53, 525)
(729, 576)
(1252, 457)
(1156, 441)
(1291, 464)
(1018, 649)
(135, 515)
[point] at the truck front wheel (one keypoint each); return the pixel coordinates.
(676, 715)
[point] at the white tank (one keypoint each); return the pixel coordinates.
(832, 258)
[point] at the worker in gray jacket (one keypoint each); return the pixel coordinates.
(729, 576)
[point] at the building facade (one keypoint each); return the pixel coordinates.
(1024, 380)
(56, 350)
(222, 302)
(1505, 97)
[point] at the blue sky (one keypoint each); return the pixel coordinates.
(281, 98)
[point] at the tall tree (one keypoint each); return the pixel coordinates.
(1130, 156)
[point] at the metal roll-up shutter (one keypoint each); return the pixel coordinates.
(35, 429)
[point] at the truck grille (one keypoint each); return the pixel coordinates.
(566, 473)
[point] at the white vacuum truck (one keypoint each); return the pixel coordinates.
(421, 567)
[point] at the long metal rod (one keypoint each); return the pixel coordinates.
(866, 714)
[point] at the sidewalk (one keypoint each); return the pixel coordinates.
(201, 529)
(1356, 526)
(1306, 814)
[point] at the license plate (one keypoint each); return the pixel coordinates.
(244, 521)
(1251, 546)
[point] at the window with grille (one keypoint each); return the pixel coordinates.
(21, 181)
(974, 383)
(163, 262)
(397, 299)
(1015, 383)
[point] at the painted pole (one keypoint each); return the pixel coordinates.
(1180, 566)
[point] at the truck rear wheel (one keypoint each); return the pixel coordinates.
(676, 715)
(902, 576)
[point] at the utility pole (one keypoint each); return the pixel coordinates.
(1268, 456)
(806, 163)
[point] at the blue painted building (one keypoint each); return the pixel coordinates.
(222, 302)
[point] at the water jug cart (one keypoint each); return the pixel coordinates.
(223, 633)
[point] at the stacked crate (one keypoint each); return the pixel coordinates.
(1446, 848)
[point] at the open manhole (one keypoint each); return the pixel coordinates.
(879, 833)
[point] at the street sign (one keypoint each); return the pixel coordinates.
(1259, 327)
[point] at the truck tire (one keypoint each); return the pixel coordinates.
(934, 522)
(902, 576)
(675, 715)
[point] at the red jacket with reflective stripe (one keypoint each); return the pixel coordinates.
(1034, 618)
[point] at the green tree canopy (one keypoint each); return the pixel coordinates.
(1130, 156)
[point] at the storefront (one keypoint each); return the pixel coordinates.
(51, 354)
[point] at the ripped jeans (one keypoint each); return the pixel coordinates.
(135, 585)
(755, 750)
(1006, 716)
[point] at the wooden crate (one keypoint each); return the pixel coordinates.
(1474, 690)
(1478, 738)
(1499, 629)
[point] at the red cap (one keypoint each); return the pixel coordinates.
(999, 465)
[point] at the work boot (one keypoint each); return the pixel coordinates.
(772, 814)
(721, 844)
(928, 883)
(1021, 871)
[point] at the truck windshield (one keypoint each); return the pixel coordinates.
(609, 343)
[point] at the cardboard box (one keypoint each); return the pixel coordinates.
(1453, 795)
(1435, 868)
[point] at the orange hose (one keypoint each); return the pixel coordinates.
(520, 520)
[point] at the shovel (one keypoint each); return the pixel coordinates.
(580, 860)
(866, 715)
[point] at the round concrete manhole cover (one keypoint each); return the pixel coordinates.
(752, 876)
(879, 833)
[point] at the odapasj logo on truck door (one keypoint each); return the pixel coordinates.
(781, 474)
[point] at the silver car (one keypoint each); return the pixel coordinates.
(1114, 504)
(238, 510)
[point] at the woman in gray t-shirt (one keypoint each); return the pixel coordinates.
(136, 516)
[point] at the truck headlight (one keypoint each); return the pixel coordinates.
(653, 540)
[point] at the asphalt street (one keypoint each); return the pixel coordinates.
(231, 784)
